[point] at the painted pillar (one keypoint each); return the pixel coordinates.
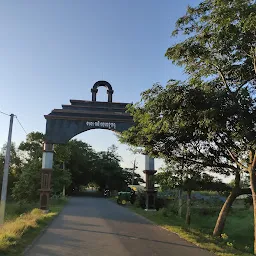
(46, 175)
(150, 183)
(94, 94)
(110, 95)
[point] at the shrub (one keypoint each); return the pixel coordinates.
(164, 212)
(161, 203)
(208, 211)
(36, 211)
(248, 201)
(140, 200)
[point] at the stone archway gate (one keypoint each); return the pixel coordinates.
(82, 115)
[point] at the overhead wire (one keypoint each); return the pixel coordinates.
(21, 125)
(1, 112)
(4, 113)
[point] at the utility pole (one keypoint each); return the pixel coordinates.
(133, 170)
(6, 172)
(64, 187)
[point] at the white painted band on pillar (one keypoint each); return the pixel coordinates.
(149, 163)
(47, 160)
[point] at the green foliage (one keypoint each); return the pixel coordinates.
(14, 167)
(208, 120)
(76, 164)
(238, 230)
(60, 178)
(32, 147)
(248, 201)
(140, 200)
(188, 177)
(20, 231)
(210, 117)
(199, 123)
(26, 189)
(219, 42)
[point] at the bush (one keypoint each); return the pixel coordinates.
(36, 211)
(140, 200)
(248, 201)
(164, 212)
(161, 203)
(13, 210)
(208, 211)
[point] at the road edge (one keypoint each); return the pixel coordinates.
(41, 233)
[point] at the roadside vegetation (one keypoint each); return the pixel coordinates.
(23, 224)
(238, 236)
(206, 123)
(76, 166)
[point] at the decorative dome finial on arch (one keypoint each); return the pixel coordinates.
(106, 84)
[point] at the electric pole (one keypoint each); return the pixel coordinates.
(133, 170)
(6, 172)
(64, 187)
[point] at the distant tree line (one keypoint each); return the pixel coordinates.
(75, 164)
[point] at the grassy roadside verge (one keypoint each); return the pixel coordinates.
(17, 233)
(194, 235)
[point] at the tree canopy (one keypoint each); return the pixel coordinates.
(208, 119)
(75, 164)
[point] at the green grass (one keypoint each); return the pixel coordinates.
(239, 229)
(14, 210)
(20, 230)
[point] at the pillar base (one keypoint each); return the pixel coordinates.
(45, 187)
(44, 199)
(150, 199)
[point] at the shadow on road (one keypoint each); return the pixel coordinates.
(102, 208)
(130, 237)
(97, 226)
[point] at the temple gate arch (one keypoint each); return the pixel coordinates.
(80, 116)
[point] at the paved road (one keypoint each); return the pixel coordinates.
(99, 227)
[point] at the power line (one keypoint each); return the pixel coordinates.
(21, 125)
(4, 113)
(1, 112)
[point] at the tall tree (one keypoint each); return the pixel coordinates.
(27, 186)
(220, 48)
(212, 114)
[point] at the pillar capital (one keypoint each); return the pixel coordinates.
(48, 147)
(149, 163)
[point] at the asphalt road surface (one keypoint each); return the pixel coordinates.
(90, 226)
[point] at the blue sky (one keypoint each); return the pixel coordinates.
(54, 51)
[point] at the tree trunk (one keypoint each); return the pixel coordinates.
(220, 223)
(188, 214)
(253, 189)
(180, 203)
